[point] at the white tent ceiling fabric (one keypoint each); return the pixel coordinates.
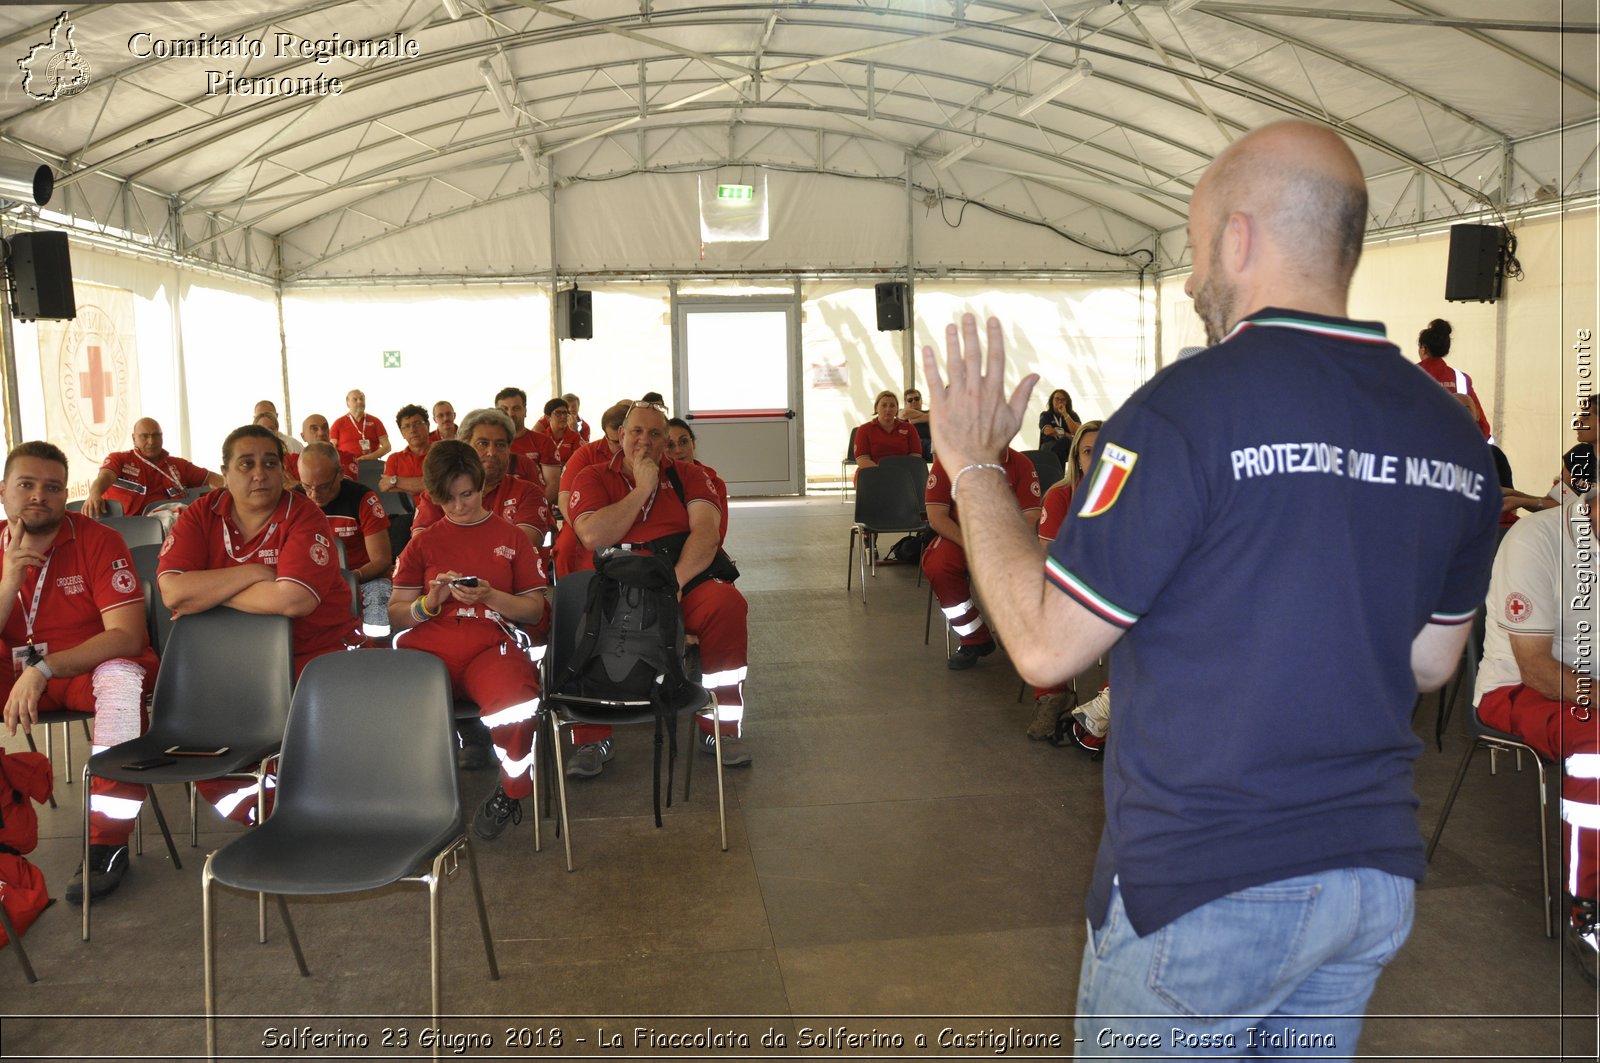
(415, 170)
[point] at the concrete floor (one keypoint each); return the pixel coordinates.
(901, 860)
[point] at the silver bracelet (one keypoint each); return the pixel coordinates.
(955, 484)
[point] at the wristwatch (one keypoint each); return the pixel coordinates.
(394, 481)
(44, 669)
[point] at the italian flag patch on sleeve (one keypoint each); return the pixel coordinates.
(1116, 465)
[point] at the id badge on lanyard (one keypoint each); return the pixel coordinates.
(31, 652)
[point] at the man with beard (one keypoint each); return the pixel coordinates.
(72, 617)
(144, 476)
(1285, 537)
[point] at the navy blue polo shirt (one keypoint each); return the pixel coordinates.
(1272, 521)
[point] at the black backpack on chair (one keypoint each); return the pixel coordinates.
(630, 646)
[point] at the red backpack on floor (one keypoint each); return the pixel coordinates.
(24, 779)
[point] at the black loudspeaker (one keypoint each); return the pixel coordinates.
(574, 318)
(41, 277)
(892, 305)
(1474, 272)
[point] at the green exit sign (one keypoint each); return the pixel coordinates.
(391, 359)
(736, 192)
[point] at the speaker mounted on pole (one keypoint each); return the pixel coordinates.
(39, 275)
(892, 297)
(574, 315)
(1477, 263)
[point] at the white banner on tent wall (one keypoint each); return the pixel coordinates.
(89, 369)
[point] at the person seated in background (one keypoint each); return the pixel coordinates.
(145, 475)
(1049, 704)
(579, 425)
(917, 418)
(356, 515)
(72, 615)
(635, 499)
(654, 398)
(1058, 423)
(1537, 682)
(570, 556)
(459, 588)
(314, 429)
(402, 470)
(1433, 345)
(488, 433)
(358, 435)
(290, 445)
(444, 422)
(886, 435)
(533, 453)
(944, 561)
(558, 417)
(257, 548)
(681, 448)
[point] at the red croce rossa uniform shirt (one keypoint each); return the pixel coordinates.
(296, 543)
(87, 573)
(1020, 475)
(517, 500)
(598, 486)
(355, 513)
(1057, 501)
(405, 463)
(491, 549)
(876, 443)
(141, 482)
(570, 556)
(347, 435)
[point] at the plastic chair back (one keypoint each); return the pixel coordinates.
(369, 472)
(113, 507)
(887, 499)
(368, 750)
(224, 681)
(353, 582)
(136, 531)
(912, 467)
(1047, 466)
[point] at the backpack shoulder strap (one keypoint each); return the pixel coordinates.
(588, 633)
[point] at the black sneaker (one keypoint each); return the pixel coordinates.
(1583, 937)
(107, 865)
(589, 759)
(499, 810)
(967, 656)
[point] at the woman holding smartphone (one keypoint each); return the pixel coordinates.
(461, 586)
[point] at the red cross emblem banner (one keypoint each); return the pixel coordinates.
(90, 371)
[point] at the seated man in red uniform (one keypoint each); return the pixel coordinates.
(314, 429)
(533, 450)
(570, 556)
(402, 470)
(488, 433)
(945, 560)
(145, 475)
(458, 588)
(257, 548)
(579, 425)
(358, 434)
(359, 522)
(444, 422)
(632, 499)
(72, 617)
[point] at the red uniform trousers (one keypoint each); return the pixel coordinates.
(1570, 733)
(235, 799)
(717, 614)
(113, 806)
(488, 668)
(945, 565)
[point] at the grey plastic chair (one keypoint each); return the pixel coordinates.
(224, 681)
(136, 531)
(366, 798)
(1047, 466)
(889, 499)
(113, 507)
(1481, 736)
(568, 709)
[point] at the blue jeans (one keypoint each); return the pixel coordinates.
(1282, 969)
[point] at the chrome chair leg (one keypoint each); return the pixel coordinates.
(208, 923)
(85, 865)
(16, 945)
(434, 949)
(561, 794)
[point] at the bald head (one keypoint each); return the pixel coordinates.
(147, 437)
(1276, 220)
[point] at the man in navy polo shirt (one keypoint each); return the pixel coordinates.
(1284, 537)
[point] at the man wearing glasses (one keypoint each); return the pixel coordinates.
(913, 413)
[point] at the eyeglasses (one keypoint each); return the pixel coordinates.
(913, 398)
(650, 406)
